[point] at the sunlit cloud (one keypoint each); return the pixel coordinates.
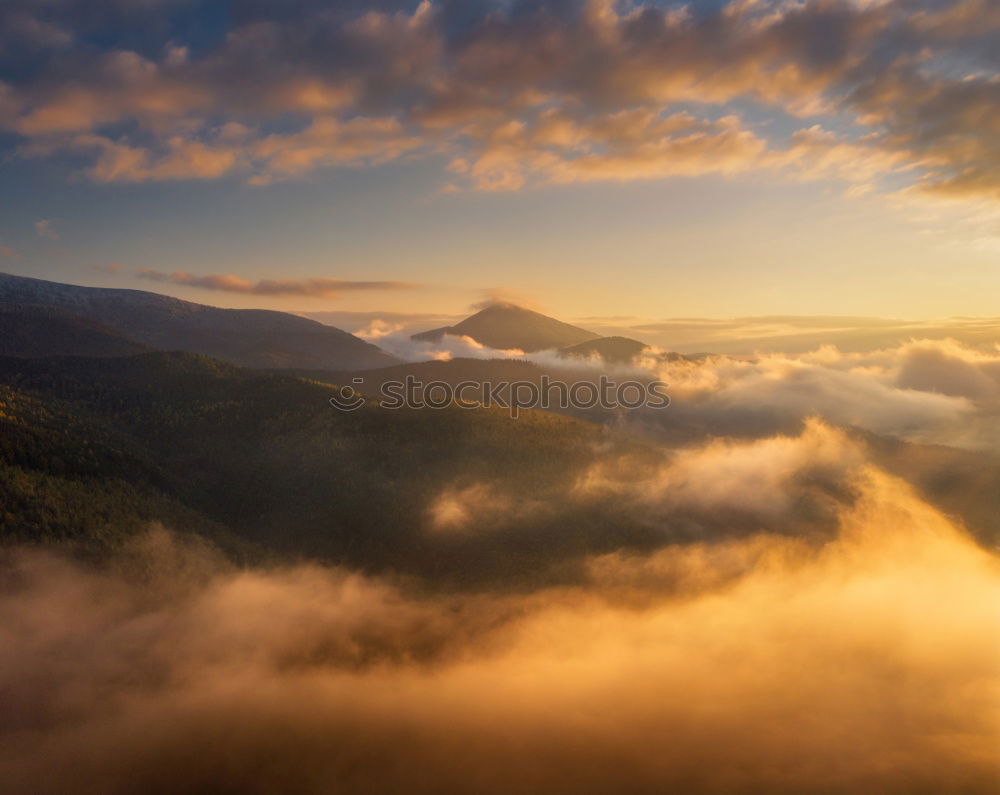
(769, 477)
(227, 282)
(769, 662)
(509, 98)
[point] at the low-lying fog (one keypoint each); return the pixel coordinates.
(864, 658)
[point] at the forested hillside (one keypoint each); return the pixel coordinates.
(93, 448)
(248, 337)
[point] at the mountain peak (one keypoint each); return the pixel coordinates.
(507, 326)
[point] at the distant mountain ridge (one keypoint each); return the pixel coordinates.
(506, 326)
(247, 337)
(611, 349)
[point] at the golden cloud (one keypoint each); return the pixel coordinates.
(227, 282)
(588, 91)
(765, 664)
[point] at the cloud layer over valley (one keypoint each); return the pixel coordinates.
(767, 591)
(765, 664)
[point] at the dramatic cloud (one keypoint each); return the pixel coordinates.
(889, 95)
(225, 282)
(766, 664)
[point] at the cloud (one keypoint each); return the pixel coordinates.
(770, 478)
(949, 368)
(938, 391)
(763, 395)
(748, 610)
(468, 509)
(232, 149)
(377, 329)
(180, 158)
(627, 145)
(226, 282)
(709, 491)
(932, 391)
(878, 95)
(765, 663)
(449, 346)
(329, 142)
(44, 229)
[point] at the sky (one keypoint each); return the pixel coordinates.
(593, 159)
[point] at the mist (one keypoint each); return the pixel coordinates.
(865, 662)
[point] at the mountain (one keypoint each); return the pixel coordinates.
(29, 330)
(483, 381)
(92, 450)
(610, 349)
(506, 326)
(452, 372)
(248, 337)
